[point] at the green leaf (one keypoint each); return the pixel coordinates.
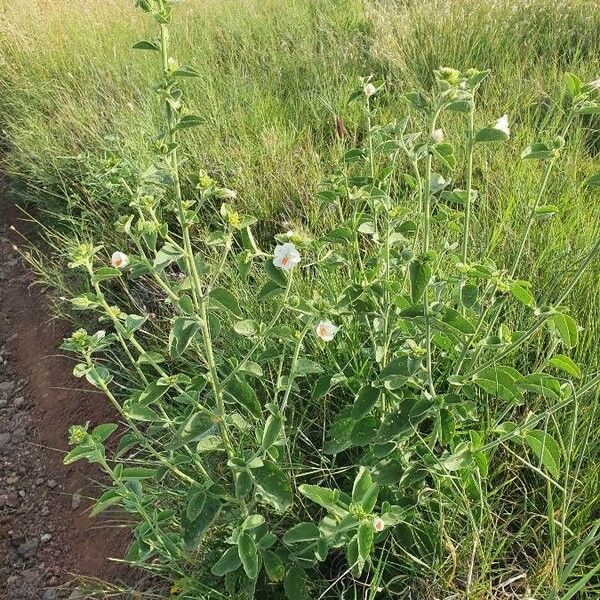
(273, 566)
(445, 153)
(322, 387)
(274, 486)
(253, 521)
(229, 562)
(362, 483)
(564, 327)
(546, 212)
(105, 273)
(365, 401)
(240, 391)
(108, 499)
(499, 381)
(247, 328)
(139, 412)
(573, 84)
(396, 424)
(98, 376)
(168, 254)
(223, 298)
(305, 366)
(324, 497)
(538, 151)
(302, 532)
(490, 134)
(353, 558)
(468, 295)
(589, 108)
(342, 235)
(187, 122)
(152, 393)
(268, 290)
(181, 335)
(365, 539)
(540, 383)
(134, 322)
(104, 431)
(566, 364)
(456, 320)
(365, 430)
(271, 431)
(277, 276)
(248, 554)
(185, 71)
(546, 449)
(420, 274)
(195, 505)
(296, 584)
(196, 427)
(417, 100)
(520, 290)
(193, 531)
(78, 453)
(146, 45)
(137, 473)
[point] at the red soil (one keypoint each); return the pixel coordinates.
(52, 400)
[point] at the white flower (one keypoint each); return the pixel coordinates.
(326, 330)
(502, 125)
(370, 90)
(100, 334)
(438, 136)
(286, 256)
(119, 260)
(378, 524)
(595, 84)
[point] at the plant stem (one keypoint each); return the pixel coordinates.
(426, 234)
(469, 190)
(199, 301)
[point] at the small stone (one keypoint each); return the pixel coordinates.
(4, 439)
(50, 594)
(6, 387)
(19, 402)
(45, 538)
(18, 435)
(28, 549)
(51, 483)
(39, 481)
(45, 511)
(76, 500)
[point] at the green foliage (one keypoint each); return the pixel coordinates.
(333, 400)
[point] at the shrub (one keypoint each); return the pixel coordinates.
(308, 417)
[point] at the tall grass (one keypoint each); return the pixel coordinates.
(274, 75)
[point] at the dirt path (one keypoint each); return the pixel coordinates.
(45, 533)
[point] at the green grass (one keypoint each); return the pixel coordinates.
(76, 118)
(76, 114)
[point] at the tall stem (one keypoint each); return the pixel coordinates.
(469, 186)
(426, 236)
(197, 294)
